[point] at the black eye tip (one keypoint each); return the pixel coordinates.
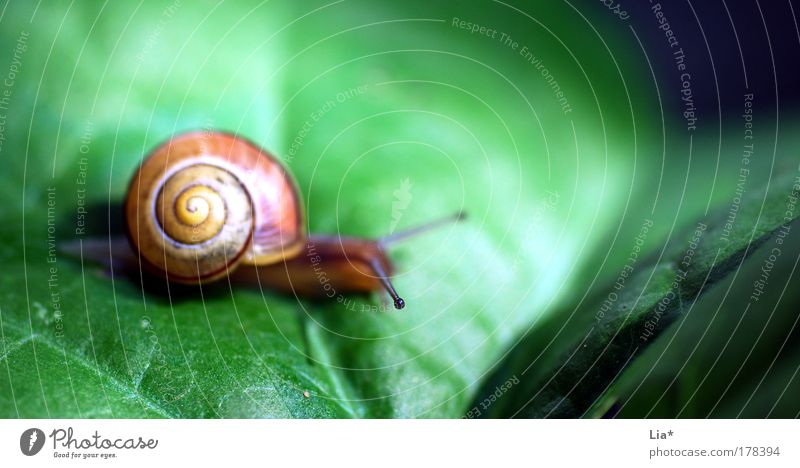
(399, 303)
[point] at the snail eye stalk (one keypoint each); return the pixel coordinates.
(421, 229)
(386, 241)
(399, 303)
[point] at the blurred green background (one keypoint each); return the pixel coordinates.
(388, 115)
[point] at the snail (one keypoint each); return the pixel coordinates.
(208, 205)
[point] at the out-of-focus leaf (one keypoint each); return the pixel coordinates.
(543, 379)
(725, 350)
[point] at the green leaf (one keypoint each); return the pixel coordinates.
(360, 100)
(729, 357)
(548, 375)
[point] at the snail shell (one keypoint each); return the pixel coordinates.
(204, 202)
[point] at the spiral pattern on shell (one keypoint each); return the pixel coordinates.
(202, 203)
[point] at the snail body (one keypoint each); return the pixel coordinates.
(208, 205)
